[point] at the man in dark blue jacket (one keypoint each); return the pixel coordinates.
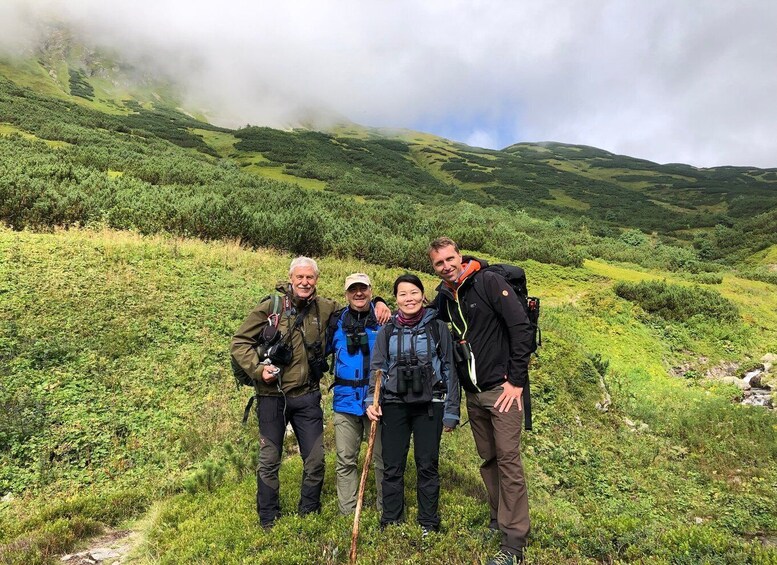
(492, 336)
(350, 338)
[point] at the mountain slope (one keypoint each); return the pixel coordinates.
(578, 183)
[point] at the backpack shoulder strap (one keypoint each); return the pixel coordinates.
(389, 329)
(276, 307)
(276, 303)
(433, 329)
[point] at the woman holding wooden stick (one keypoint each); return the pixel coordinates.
(419, 397)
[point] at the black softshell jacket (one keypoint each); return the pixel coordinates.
(487, 313)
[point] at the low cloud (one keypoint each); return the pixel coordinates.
(662, 80)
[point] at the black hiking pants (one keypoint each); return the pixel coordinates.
(307, 420)
(424, 423)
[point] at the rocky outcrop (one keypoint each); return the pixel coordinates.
(758, 385)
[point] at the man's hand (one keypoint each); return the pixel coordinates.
(447, 429)
(509, 394)
(374, 412)
(382, 313)
(270, 373)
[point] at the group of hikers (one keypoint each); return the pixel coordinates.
(474, 335)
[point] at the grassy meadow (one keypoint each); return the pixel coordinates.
(119, 411)
(135, 237)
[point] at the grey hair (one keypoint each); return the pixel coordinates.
(303, 262)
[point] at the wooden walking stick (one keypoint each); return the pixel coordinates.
(366, 469)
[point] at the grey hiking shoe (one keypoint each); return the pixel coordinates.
(506, 558)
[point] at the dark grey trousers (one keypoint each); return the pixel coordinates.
(307, 419)
(424, 423)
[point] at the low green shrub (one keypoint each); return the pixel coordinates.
(678, 303)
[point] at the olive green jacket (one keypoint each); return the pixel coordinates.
(294, 379)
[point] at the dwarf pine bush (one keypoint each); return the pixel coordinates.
(678, 303)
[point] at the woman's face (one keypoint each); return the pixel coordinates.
(410, 299)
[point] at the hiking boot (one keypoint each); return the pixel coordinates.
(506, 558)
(425, 532)
(493, 525)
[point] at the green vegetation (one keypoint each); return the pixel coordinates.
(678, 303)
(117, 391)
(79, 86)
(139, 237)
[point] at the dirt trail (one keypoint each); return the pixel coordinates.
(114, 546)
(110, 548)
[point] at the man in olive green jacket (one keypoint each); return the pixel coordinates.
(289, 393)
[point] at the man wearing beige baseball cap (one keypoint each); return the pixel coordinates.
(351, 337)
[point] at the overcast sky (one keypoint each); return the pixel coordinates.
(666, 80)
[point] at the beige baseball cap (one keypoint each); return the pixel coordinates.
(357, 278)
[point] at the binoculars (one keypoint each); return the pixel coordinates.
(410, 377)
(357, 341)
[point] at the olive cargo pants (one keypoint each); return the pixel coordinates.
(350, 430)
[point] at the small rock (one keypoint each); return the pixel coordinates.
(698, 520)
(758, 400)
(753, 378)
(769, 358)
(7, 498)
(103, 553)
(721, 370)
(735, 381)
(67, 557)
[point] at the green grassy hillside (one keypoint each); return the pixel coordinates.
(135, 238)
(582, 185)
(157, 169)
(116, 392)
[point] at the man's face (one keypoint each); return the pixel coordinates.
(303, 281)
(446, 262)
(359, 296)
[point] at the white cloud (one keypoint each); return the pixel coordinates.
(664, 80)
(481, 138)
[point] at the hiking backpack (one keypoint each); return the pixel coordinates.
(516, 278)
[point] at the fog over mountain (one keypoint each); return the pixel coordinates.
(690, 82)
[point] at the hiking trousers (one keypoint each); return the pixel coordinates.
(350, 430)
(307, 420)
(424, 423)
(498, 441)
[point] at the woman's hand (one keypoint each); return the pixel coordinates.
(374, 412)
